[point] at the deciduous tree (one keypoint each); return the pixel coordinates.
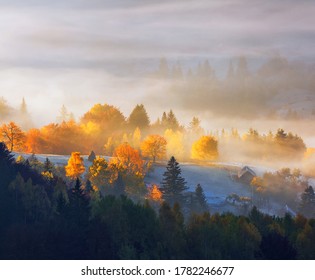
(154, 146)
(75, 167)
(12, 136)
(206, 148)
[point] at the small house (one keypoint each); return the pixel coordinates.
(246, 175)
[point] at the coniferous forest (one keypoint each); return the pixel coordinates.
(44, 218)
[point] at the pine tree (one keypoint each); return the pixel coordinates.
(48, 166)
(199, 203)
(139, 118)
(92, 156)
(88, 186)
(172, 121)
(307, 205)
(119, 185)
(173, 184)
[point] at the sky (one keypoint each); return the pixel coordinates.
(82, 52)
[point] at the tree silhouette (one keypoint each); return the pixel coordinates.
(173, 184)
(139, 118)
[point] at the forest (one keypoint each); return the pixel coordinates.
(43, 216)
(89, 208)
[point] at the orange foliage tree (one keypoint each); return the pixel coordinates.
(34, 141)
(154, 193)
(206, 148)
(75, 166)
(12, 136)
(154, 146)
(128, 158)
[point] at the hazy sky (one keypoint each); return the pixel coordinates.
(80, 52)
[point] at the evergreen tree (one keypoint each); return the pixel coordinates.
(139, 118)
(92, 156)
(199, 203)
(173, 184)
(24, 117)
(172, 232)
(307, 205)
(172, 121)
(119, 185)
(88, 186)
(48, 166)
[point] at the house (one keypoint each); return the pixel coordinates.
(246, 175)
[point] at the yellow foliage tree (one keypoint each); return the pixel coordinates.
(99, 173)
(154, 146)
(75, 166)
(206, 148)
(136, 138)
(175, 146)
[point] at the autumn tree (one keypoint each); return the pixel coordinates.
(34, 141)
(75, 167)
(206, 148)
(130, 170)
(139, 118)
(154, 193)
(12, 136)
(175, 143)
(136, 138)
(107, 117)
(128, 158)
(99, 174)
(173, 184)
(154, 146)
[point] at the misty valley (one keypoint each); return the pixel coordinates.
(114, 187)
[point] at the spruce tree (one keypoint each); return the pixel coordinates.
(199, 203)
(139, 118)
(48, 166)
(92, 156)
(173, 184)
(307, 205)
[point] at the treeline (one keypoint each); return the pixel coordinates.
(200, 88)
(104, 127)
(42, 218)
(255, 147)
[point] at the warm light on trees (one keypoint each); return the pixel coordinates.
(175, 145)
(155, 193)
(206, 148)
(136, 138)
(154, 146)
(139, 118)
(75, 167)
(127, 158)
(99, 174)
(12, 136)
(34, 141)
